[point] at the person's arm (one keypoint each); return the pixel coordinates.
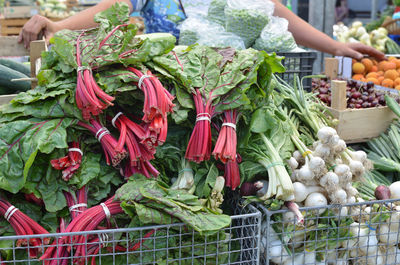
(38, 25)
(308, 36)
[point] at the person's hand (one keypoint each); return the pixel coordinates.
(35, 28)
(357, 51)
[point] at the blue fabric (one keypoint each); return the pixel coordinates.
(162, 16)
(166, 15)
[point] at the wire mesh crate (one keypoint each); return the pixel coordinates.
(161, 244)
(300, 63)
(365, 233)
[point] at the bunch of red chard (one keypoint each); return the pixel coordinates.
(225, 149)
(24, 225)
(140, 149)
(199, 147)
(108, 142)
(89, 220)
(89, 97)
(157, 104)
(70, 163)
(76, 201)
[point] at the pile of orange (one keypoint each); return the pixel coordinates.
(383, 73)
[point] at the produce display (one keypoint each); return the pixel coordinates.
(384, 73)
(132, 131)
(359, 95)
(111, 118)
(54, 9)
(377, 38)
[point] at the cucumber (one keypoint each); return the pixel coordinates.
(6, 74)
(392, 47)
(20, 67)
(393, 105)
(5, 91)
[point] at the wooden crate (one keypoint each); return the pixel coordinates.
(357, 125)
(11, 26)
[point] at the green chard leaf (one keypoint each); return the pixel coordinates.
(20, 142)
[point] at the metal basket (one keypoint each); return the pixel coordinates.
(300, 63)
(328, 236)
(167, 244)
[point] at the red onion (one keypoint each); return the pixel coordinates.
(382, 192)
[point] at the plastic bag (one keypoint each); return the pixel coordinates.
(202, 31)
(275, 37)
(216, 11)
(221, 39)
(247, 18)
(190, 29)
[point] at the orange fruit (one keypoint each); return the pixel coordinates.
(388, 83)
(367, 63)
(380, 79)
(397, 81)
(358, 68)
(374, 68)
(391, 58)
(397, 87)
(373, 80)
(353, 61)
(389, 66)
(372, 75)
(381, 65)
(380, 73)
(358, 76)
(397, 62)
(391, 74)
(374, 62)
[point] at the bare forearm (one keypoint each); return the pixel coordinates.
(304, 33)
(85, 18)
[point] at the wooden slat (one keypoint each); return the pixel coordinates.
(13, 22)
(4, 99)
(10, 47)
(36, 49)
(331, 68)
(10, 31)
(338, 101)
(361, 125)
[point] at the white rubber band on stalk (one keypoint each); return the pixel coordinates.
(203, 117)
(99, 131)
(106, 211)
(82, 68)
(10, 211)
(103, 131)
(75, 150)
(115, 119)
(103, 134)
(229, 124)
(141, 79)
(74, 207)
